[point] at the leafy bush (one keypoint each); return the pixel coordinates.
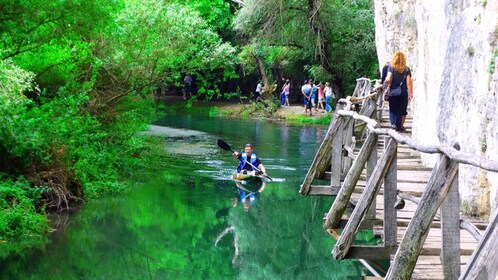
(22, 225)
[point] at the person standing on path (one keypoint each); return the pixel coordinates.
(399, 75)
(321, 98)
(285, 93)
(314, 96)
(306, 92)
(257, 92)
(329, 95)
(187, 86)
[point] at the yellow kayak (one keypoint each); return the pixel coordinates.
(249, 177)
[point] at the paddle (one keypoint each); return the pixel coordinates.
(224, 145)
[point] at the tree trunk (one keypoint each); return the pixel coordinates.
(316, 24)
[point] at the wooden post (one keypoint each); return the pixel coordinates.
(450, 231)
(344, 243)
(336, 157)
(437, 188)
(482, 264)
(390, 194)
(347, 141)
(333, 217)
(323, 155)
(371, 163)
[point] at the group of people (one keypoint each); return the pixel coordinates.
(398, 78)
(317, 97)
(284, 91)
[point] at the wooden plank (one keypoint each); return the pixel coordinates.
(484, 259)
(369, 252)
(439, 184)
(324, 190)
(344, 243)
(450, 227)
(342, 199)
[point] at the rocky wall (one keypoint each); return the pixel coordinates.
(451, 47)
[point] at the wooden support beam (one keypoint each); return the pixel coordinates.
(390, 224)
(450, 231)
(323, 155)
(371, 163)
(347, 135)
(336, 158)
(334, 215)
(408, 251)
(324, 190)
(342, 246)
(482, 264)
(370, 252)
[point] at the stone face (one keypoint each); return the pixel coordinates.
(451, 47)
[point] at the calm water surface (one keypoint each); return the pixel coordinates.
(166, 228)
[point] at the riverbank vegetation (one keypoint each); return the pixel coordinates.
(76, 78)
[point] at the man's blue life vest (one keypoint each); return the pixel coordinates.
(243, 162)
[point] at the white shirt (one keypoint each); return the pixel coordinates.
(258, 87)
(328, 91)
(306, 87)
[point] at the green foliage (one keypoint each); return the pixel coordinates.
(153, 41)
(318, 73)
(298, 118)
(21, 224)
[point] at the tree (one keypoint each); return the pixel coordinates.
(334, 37)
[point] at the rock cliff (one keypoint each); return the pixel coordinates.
(451, 47)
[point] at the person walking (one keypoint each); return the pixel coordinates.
(286, 92)
(399, 77)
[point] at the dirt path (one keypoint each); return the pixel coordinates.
(235, 106)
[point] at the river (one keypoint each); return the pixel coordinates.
(166, 227)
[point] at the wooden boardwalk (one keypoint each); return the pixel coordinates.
(413, 177)
(426, 237)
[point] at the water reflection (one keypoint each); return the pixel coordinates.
(167, 228)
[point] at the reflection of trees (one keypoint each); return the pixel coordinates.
(281, 237)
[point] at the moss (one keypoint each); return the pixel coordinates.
(470, 51)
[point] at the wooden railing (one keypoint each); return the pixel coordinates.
(441, 193)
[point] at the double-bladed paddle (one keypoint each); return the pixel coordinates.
(224, 145)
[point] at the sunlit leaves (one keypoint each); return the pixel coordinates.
(155, 41)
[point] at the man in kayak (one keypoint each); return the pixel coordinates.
(249, 162)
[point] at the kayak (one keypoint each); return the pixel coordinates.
(249, 178)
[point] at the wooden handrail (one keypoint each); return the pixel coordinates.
(451, 152)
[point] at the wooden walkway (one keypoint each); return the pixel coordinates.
(422, 231)
(413, 177)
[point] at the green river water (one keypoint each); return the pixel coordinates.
(166, 227)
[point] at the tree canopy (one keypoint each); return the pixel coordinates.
(330, 40)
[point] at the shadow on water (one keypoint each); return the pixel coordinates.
(166, 228)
